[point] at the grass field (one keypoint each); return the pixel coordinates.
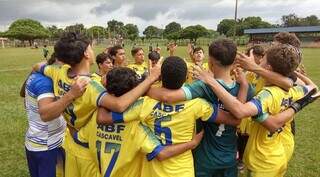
(15, 64)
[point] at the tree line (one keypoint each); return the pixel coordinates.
(29, 29)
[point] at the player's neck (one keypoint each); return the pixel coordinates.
(83, 68)
(223, 73)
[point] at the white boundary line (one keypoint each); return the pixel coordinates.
(18, 69)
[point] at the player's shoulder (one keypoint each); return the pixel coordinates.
(199, 101)
(39, 79)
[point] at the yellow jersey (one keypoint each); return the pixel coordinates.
(172, 124)
(80, 111)
(265, 150)
(140, 69)
(256, 81)
(118, 149)
(96, 77)
(190, 77)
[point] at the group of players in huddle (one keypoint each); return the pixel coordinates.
(165, 118)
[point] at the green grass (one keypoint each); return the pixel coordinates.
(15, 64)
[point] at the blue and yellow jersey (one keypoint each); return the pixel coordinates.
(265, 150)
(190, 77)
(119, 149)
(218, 147)
(96, 77)
(256, 81)
(80, 111)
(172, 124)
(139, 69)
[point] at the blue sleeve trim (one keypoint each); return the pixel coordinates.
(187, 93)
(42, 69)
(102, 94)
(155, 152)
(258, 105)
(214, 114)
(117, 117)
(76, 140)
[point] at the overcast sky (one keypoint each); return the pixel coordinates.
(149, 12)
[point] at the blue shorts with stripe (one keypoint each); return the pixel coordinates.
(46, 163)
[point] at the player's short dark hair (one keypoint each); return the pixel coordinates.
(154, 56)
(102, 57)
(283, 58)
(287, 38)
(135, 50)
(121, 80)
(173, 72)
(70, 48)
(114, 50)
(257, 50)
(224, 51)
(197, 49)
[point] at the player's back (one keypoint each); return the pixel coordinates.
(118, 149)
(174, 123)
(79, 112)
(218, 147)
(265, 150)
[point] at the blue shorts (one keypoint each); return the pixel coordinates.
(45, 163)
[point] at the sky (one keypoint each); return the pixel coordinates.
(149, 12)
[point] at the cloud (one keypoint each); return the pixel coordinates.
(143, 13)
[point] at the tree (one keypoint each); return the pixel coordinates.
(152, 32)
(77, 28)
(116, 28)
(194, 32)
(290, 20)
(225, 25)
(54, 31)
(96, 32)
(27, 29)
(172, 31)
(132, 31)
(311, 20)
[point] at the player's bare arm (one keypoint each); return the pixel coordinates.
(120, 104)
(176, 149)
(231, 103)
(248, 63)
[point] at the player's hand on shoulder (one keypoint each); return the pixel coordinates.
(79, 86)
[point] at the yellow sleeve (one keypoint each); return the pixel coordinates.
(95, 92)
(131, 114)
(206, 111)
(298, 92)
(149, 145)
(50, 70)
(263, 101)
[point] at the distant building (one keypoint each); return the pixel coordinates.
(304, 33)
